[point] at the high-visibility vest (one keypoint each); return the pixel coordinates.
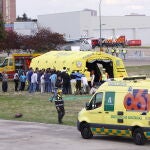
(112, 50)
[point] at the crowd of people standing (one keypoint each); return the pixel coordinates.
(115, 51)
(49, 80)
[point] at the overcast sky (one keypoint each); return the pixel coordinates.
(33, 8)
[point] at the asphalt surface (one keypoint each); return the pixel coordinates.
(137, 62)
(137, 57)
(19, 135)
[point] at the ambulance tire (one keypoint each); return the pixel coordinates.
(138, 137)
(86, 132)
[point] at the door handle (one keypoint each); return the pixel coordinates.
(106, 112)
(99, 112)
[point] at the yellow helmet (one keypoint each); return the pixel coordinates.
(59, 91)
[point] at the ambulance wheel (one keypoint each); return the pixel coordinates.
(86, 132)
(138, 137)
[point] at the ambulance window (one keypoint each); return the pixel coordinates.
(10, 62)
(96, 101)
(5, 63)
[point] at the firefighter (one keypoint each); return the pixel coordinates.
(112, 51)
(59, 103)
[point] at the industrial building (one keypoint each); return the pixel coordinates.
(26, 28)
(8, 10)
(86, 24)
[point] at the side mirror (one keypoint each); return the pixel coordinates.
(87, 105)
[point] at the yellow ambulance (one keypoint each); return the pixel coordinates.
(119, 108)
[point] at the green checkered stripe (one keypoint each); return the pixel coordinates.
(115, 132)
(147, 135)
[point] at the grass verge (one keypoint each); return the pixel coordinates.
(36, 108)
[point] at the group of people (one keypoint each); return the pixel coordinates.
(117, 52)
(19, 81)
(48, 80)
(71, 83)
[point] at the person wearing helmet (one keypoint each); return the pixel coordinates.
(59, 104)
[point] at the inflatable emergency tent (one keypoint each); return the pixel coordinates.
(81, 60)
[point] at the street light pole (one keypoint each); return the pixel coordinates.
(100, 26)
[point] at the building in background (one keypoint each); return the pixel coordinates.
(8, 10)
(86, 24)
(26, 28)
(1, 6)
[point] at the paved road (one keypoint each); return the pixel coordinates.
(15, 135)
(137, 62)
(137, 57)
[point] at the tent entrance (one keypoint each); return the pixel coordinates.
(97, 66)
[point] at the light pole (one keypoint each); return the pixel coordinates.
(100, 26)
